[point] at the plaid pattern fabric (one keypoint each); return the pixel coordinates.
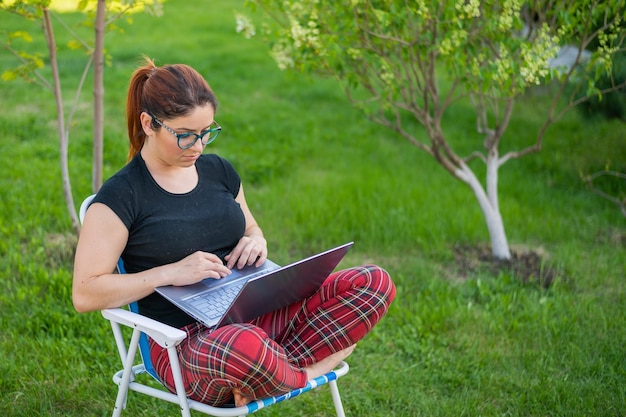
(265, 357)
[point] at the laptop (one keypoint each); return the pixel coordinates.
(253, 291)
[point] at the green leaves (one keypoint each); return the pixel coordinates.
(30, 9)
(30, 63)
(20, 34)
(491, 47)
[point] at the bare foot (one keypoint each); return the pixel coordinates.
(240, 399)
(328, 363)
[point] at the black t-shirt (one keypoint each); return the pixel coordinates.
(164, 227)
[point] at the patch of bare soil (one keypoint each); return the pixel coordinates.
(528, 265)
(59, 248)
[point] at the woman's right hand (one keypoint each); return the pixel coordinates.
(196, 267)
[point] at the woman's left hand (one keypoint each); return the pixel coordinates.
(250, 250)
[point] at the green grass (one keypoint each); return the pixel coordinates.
(317, 174)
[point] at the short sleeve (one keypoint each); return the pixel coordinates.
(231, 176)
(117, 194)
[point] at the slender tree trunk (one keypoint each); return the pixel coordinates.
(63, 134)
(488, 202)
(98, 95)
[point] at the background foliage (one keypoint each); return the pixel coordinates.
(457, 341)
(406, 63)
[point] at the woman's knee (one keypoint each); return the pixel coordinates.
(371, 277)
(383, 282)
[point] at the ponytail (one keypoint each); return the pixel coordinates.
(134, 107)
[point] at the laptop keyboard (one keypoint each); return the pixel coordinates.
(214, 303)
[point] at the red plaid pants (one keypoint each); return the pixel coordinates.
(265, 357)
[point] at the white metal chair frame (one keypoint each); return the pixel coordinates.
(169, 337)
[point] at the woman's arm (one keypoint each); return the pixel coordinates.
(101, 242)
(252, 247)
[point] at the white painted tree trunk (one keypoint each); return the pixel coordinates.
(488, 200)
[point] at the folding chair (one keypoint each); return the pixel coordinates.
(169, 337)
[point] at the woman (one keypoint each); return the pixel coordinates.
(176, 216)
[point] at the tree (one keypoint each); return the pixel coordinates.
(102, 15)
(407, 61)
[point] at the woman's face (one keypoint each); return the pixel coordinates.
(163, 144)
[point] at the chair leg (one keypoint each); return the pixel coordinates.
(122, 391)
(178, 381)
(334, 391)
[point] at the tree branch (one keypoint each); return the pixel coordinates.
(40, 79)
(504, 123)
(79, 88)
(589, 181)
(118, 15)
(475, 155)
(85, 45)
(63, 137)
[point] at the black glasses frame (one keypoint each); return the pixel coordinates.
(204, 136)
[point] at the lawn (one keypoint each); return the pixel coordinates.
(461, 339)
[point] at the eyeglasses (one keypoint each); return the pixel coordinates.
(187, 140)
